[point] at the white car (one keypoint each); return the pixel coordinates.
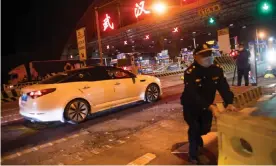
(72, 96)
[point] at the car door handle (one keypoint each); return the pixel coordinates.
(117, 83)
(86, 87)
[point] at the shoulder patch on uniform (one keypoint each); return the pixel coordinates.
(198, 80)
(190, 69)
(215, 78)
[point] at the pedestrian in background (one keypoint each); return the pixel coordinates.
(243, 65)
(201, 80)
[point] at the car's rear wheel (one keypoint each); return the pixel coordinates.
(152, 93)
(76, 111)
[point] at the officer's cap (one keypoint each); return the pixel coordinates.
(203, 50)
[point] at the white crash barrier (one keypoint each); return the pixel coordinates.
(246, 140)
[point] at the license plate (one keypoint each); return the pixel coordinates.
(24, 97)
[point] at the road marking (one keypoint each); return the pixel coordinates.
(74, 136)
(10, 115)
(94, 151)
(121, 142)
(17, 154)
(10, 120)
(27, 151)
(9, 157)
(60, 140)
(35, 148)
(143, 160)
(84, 132)
(7, 110)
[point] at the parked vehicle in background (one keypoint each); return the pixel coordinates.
(38, 70)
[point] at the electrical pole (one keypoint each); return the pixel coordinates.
(99, 36)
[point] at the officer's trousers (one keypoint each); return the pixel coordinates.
(198, 125)
(243, 73)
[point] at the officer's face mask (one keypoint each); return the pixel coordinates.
(206, 61)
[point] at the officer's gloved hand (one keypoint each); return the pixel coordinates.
(214, 110)
(232, 108)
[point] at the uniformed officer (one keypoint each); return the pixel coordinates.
(243, 65)
(201, 80)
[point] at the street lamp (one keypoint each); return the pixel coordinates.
(194, 33)
(159, 8)
(271, 39)
(262, 35)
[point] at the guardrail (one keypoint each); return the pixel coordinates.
(18, 86)
(167, 73)
(22, 85)
(227, 62)
(8, 96)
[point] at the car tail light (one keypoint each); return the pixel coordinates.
(39, 93)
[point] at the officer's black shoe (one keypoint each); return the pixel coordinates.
(194, 160)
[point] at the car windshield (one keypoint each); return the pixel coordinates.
(55, 79)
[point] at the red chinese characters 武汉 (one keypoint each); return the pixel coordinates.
(107, 23)
(140, 9)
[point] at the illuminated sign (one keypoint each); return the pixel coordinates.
(81, 43)
(175, 29)
(203, 12)
(107, 47)
(140, 9)
(147, 37)
(106, 23)
(125, 42)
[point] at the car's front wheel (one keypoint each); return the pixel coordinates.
(152, 93)
(76, 111)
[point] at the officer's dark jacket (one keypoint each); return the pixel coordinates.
(243, 59)
(201, 85)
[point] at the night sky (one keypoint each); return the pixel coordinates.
(37, 29)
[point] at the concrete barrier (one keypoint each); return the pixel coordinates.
(246, 140)
(248, 97)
